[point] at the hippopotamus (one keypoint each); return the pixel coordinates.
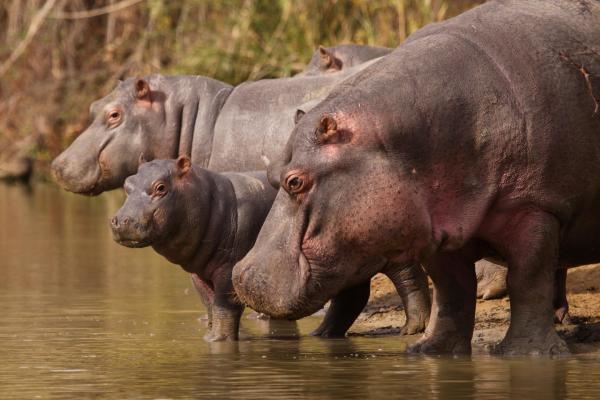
(336, 58)
(491, 151)
(206, 221)
(218, 126)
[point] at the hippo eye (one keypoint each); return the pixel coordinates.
(160, 189)
(113, 117)
(294, 183)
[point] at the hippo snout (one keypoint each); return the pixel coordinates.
(130, 232)
(117, 222)
(74, 175)
(57, 170)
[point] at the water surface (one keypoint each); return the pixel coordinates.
(83, 317)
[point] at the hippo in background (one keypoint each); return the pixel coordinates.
(220, 127)
(490, 152)
(337, 58)
(206, 221)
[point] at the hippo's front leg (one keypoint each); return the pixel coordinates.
(207, 296)
(226, 311)
(530, 242)
(343, 311)
(411, 284)
(452, 318)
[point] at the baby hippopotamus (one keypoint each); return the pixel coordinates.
(206, 222)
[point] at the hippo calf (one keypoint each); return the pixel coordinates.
(491, 151)
(343, 56)
(206, 222)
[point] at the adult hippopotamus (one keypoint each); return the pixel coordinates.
(206, 221)
(336, 58)
(490, 151)
(220, 127)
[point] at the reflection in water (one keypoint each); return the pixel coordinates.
(83, 316)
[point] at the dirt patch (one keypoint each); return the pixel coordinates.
(385, 315)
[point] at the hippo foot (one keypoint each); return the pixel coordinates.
(552, 345)
(561, 316)
(259, 316)
(218, 337)
(441, 344)
(412, 327)
(491, 284)
(327, 333)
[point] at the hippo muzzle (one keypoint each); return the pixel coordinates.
(72, 177)
(132, 230)
(276, 277)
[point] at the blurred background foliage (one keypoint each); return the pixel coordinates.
(57, 56)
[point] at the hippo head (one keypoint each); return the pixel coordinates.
(324, 60)
(153, 211)
(125, 125)
(341, 207)
(341, 57)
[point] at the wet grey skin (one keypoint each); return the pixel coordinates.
(491, 151)
(206, 221)
(343, 56)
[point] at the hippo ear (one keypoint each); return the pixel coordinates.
(142, 160)
(299, 114)
(142, 90)
(328, 132)
(328, 60)
(183, 165)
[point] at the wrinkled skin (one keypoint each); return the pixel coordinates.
(206, 222)
(337, 58)
(491, 151)
(158, 117)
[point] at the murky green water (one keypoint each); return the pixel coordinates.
(85, 318)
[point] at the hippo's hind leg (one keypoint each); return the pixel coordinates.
(343, 311)
(226, 311)
(206, 295)
(491, 280)
(452, 318)
(411, 284)
(561, 305)
(529, 241)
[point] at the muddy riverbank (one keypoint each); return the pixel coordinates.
(384, 313)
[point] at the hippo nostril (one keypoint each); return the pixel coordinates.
(125, 221)
(114, 222)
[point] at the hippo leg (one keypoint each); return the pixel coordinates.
(530, 243)
(491, 280)
(452, 318)
(411, 284)
(343, 311)
(206, 295)
(561, 305)
(226, 312)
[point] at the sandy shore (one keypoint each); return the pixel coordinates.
(384, 313)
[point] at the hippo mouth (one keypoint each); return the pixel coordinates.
(76, 178)
(76, 187)
(135, 244)
(303, 298)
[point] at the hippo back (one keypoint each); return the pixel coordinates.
(258, 117)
